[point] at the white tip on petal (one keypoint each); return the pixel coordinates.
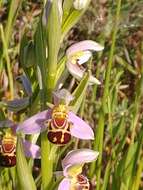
(79, 156)
(93, 80)
(83, 46)
(78, 73)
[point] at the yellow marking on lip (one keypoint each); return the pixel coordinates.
(74, 170)
(62, 138)
(73, 58)
(55, 139)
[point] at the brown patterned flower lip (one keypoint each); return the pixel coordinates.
(8, 142)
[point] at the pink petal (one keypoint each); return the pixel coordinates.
(64, 184)
(84, 45)
(78, 73)
(80, 128)
(31, 150)
(79, 156)
(35, 123)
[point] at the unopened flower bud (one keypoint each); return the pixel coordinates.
(80, 4)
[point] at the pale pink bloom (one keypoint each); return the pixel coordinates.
(78, 54)
(72, 169)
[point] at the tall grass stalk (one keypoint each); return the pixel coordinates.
(137, 179)
(98, 143)
(13, 10)
(8, 64)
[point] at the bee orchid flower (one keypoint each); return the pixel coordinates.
(8, 140)
(80, 53)
(59, 121)
(72, 169)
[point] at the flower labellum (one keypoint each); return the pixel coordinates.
(59, 122)
(72, 169)
(81, 183)
(58, 126)
(78, 54)
(8, 150)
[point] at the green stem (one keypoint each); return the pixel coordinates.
(9, 70)
(108, 72)
(137, 107)
(107, 175)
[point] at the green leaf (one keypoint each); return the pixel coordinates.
(18, 104)
(53, 36)
(13, 11)
(61, 68)
(79, 93)
(40, 52)
(66, 8)
(28, 57)
(24, 174)
(23, 44)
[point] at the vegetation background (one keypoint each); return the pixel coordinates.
(118, 121)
